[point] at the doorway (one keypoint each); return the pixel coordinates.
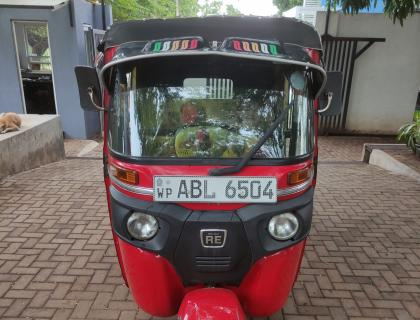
(35, 67)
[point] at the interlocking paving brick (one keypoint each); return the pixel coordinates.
(362, 259)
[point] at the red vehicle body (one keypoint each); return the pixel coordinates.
(184, 268)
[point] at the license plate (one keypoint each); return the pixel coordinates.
(214, 189)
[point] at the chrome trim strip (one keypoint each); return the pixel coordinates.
(135, 189)
(149, 191)
(216, 53)
(298, 188)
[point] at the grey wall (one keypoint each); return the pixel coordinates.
(85, 13)
(67, 50)
(10, 96)
(98, 16)
(386, 77)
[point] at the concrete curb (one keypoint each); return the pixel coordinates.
(385, 161)
(38, 142)
(368, 147)
(87, 148)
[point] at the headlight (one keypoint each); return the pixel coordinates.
(283, 226)
(142, 226)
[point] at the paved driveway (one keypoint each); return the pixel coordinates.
(362, 258)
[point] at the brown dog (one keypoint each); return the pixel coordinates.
(9, 121)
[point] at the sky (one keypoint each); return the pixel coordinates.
(254, 7)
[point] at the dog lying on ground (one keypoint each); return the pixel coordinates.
(9, 121)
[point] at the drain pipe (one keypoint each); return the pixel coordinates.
(103, 15)
(327, 23)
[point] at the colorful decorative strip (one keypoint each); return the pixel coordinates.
(175, 44)
(252, 46)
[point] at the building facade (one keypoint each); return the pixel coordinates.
(306, 12)
(41, 43)
(386, 76)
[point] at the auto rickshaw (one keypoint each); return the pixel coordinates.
(210, 158)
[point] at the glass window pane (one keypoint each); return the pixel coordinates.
(209, 110)
(37, 47)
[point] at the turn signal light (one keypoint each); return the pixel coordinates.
(124, 175)
(299, 176)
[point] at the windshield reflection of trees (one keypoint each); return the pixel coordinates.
(250, 112)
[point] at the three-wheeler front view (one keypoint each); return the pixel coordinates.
(210, 158)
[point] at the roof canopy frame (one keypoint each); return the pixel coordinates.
(216, 28)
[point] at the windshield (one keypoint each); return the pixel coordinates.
(201, 107)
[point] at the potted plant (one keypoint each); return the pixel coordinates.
(410, 134)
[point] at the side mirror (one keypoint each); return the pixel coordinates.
(330, 99)
(89, 88)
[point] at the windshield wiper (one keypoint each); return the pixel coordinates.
(252, 152)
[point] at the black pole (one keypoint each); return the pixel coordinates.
(103, 15)
(327, 23)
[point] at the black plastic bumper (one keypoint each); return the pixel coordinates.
(179, 240)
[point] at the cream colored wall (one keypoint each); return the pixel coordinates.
(386, 77)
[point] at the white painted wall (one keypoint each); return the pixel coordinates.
(387, 76)
(307, 14)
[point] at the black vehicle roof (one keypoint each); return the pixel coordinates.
(215, 28)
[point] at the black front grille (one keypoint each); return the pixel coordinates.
(213, 264)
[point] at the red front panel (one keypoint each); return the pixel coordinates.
(153, 282)
(158, 289)
(267, 285)
(211, 304)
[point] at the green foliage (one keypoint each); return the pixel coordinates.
(395, 9)
(285, 5)
(123, 10)
(215, 7)
(211, 7)
(410, 134)
(188, 8)
(232, 11)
